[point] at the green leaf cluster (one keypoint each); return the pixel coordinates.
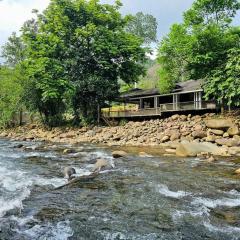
(76, 52)
(11, 93)
(199, 47)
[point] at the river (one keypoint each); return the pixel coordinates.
(141, 198)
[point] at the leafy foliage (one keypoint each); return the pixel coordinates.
(224, 83)
(143, 26)
(206, 12)
(199, 47)
(79, 49)
(13, 50)
(11, 92)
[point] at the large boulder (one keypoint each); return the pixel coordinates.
(237, 171)
(228, 142)
(101, 164)
(233, 130)
(219, 123)
(192, 149)
(119, 154)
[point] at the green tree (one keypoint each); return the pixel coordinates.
(144, 26)
(220, 12)
(79, 48)
(223, 83)
(173, 56)
(13, 50)
(11, 92)
(200, 45)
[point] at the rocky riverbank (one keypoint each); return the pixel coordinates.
(184, 135)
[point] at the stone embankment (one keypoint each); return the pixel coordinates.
(208, 135)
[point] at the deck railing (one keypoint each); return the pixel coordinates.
(167, 107)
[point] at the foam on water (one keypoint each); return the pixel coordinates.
(223, 229)
(209, 203)
(123, 236)
(164, 190)
(16, 202)
(60, 231)
(16, 186)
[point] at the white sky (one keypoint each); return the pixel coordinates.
(13, 13)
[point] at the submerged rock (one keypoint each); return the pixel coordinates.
(119, 154)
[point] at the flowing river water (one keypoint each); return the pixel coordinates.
(141, 198)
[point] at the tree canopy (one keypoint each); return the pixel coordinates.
(144, 26)
(201, 47)
(76, 52)
(11, 93)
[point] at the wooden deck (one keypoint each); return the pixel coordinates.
(163, 108)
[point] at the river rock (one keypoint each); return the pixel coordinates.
(175, 136)
(234, 150)
(210, 159)
(228, 142)
(219, 123)
(66, 151)
(210, 138)
(175, 117)
(225, 135)
(165, 139)
(119, 154)
(234, 130)
(237, 171)
(217, 132)
(199, 134)
(170, 150)
(191, 149)
(68, 172)
(100, 164)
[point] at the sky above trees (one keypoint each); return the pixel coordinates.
(14, 12)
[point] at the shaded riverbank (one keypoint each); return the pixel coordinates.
(152, 197)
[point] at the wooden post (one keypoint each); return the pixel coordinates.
(99, 114)
(195, 100)
(156, 103)
(200, 100)
(177, 101)
(141, 103)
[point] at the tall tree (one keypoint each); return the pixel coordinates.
(11, 93)
(144, 26)
(173, 57)
(80, 48)
(200, 45)
(220, 12)
(223, 84)
(13, 50)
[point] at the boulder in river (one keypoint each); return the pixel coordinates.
(191, 149)
(237, 171)
(101, 164)
(68, 172)
(119, 154)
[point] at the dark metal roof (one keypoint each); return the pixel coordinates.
(187, 86)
